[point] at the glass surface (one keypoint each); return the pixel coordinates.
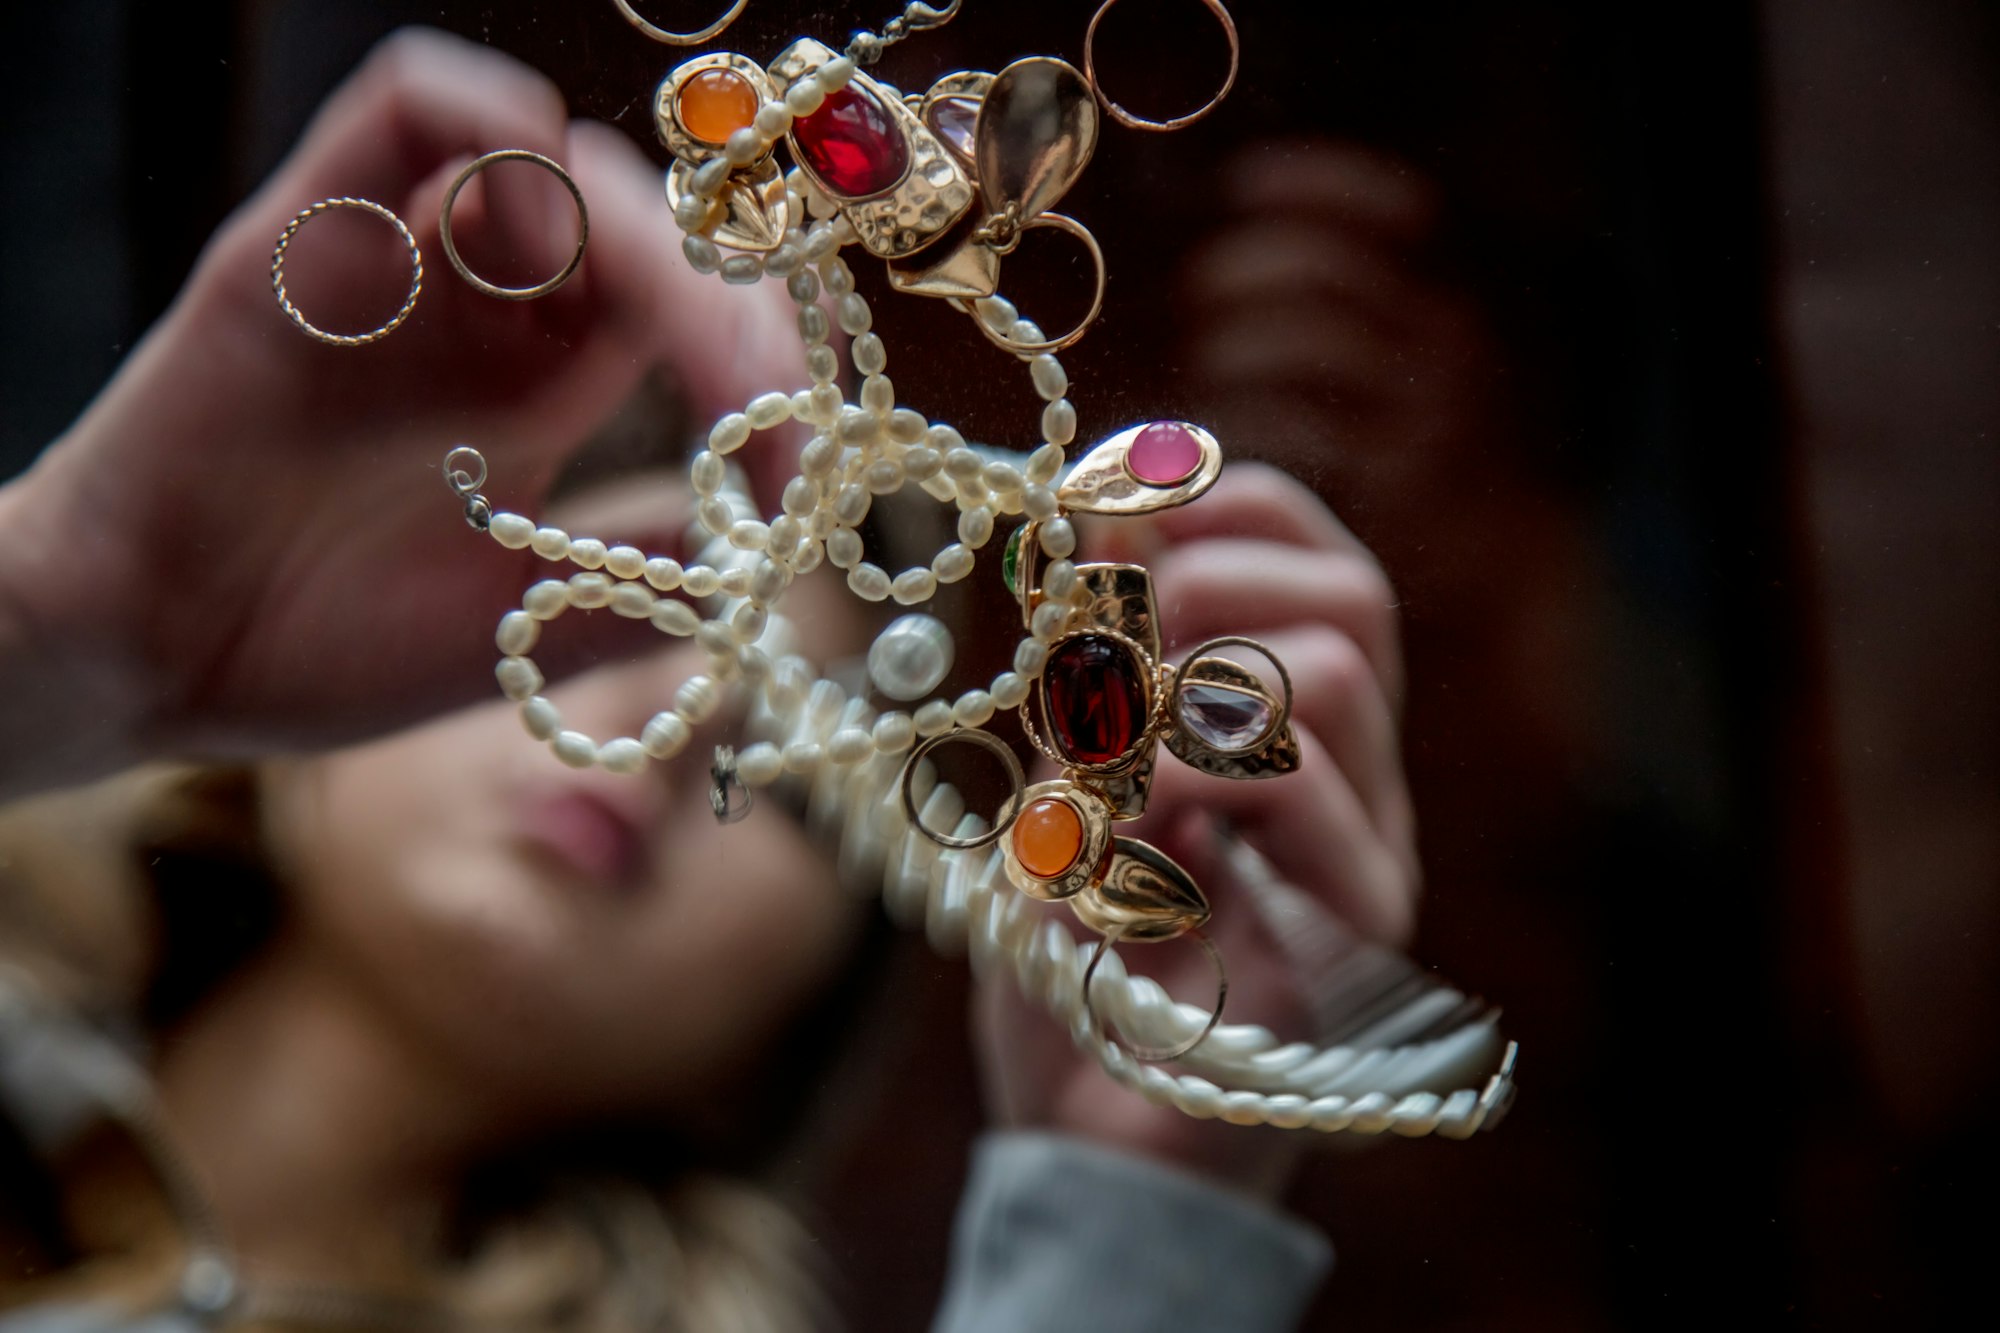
(1653, 362)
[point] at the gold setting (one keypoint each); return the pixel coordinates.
(1088, 869)
(1102, 482)
(682, 142)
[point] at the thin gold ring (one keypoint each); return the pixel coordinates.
(1126, 118)
(1159, 1054)
(292, 311)
(1002, 820)
(473, 168)
(1028, 349)
(1279, 719)
(659, 34)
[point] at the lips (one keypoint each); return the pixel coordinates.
(596, 837)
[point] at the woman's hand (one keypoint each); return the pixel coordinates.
(1258, 556)
(244, 543)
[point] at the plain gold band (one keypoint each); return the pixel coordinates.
(1021, 349)
(660, 34)
(1159, 1054)
(1003, 819)
(1126, 118)
(473, 168)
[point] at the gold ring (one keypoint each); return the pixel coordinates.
(1280, 718)
(1159, 1054)
(679, 38)
(292, 311)
(1002, 821)
(1126, 118)
(473, 168)
(1028, 349)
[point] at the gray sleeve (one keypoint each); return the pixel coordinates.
(1055, 1234)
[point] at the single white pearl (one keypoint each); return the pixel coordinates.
(800, 497)
(822, 364)
(804, 96)
(634, 601)
(951, 564)
(843, 548)
(696, 699)
(869, 582)
(784, 261)
(870, 356)
(707, 473)
(1010, 689)
(773, 119)
(759, 765)
(1029, 657)
(709, 176)
(1051, 381)
(1059, 422)
(550, 543)
(747, 625)
(1039, 503)
(663, 573)
(975, 526)
(742, 270)
(574, 748)
(1050, 620)
(715, 639)
(853, 314)
(768, 580)
(884, 477)
(587, 553)
(996, 312)
(878, 394)
(519, 678)
(627, 562)
(803, 756)
(895, 733)
(850, 745)
(933, 718)
(769, 409)
(1001, 476)
(730, 433)
(623, 755)
(700, 581)
(702, 254)
(540, 717)
(517, 633)
(676, 618)
(907, 425)
(1044, 464)
(910, 587)
(716, 514)
(851, 505)
(922, 462)
(814, 326)
(735, 581)
(1058, 538)
(837, 276)
(748, 534)
(589, 591)
(546, 600)
(910, 657)
(1059, 579)
(665, 736)
(973, 708)
(511, 530)
(835, 73)
(744, 146)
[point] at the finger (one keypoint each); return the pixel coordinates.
(420, 99)
(1337, 697)
(1236, 586)
(1309, 824)
(1341, 181)
(1258, 500)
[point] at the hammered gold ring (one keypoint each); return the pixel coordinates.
(284, 298)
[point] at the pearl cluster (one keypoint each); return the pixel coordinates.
(858, 452)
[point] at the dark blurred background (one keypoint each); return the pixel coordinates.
(1657, 352)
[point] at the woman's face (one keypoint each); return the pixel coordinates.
(576, 940)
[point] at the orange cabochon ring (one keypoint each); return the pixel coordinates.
(1048, 836)
(716, 103)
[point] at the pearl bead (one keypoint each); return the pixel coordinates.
(975, 526)
(634, 601)
(996, 312)
(517, 633)
(800, 497)
(843, 548)
(546, 600)
(1045, 464)
(973, 708)
(878, 394)
(769, 409)
(1010, 689)
(676, 618)
(803, 757)
(869, 582)
(910, 657)
(1051, 381)
(851, 505)
(962, 464)
(540, 717)
(759, 765)
(748, 534)
(852, 313)
(700, 581)
(702, 254)
(1029, 657)
(1059, 579)
(747, 625)
(627, 562)
(1050, 620)
(895, 733)
(665, 736)
(1039, 503)
(823, 364)
(1001, 476)
(623, 755)
(804, 96)
(1059, 422)
(870, 356)
(729, 434)
(837, 276)
(742, 270)
(511, 530)
(773, 119)
(813, 323)
(550, 543)
(663, 573)
(696, 699)
(907, 426)
(707, 473)
(769, 580)
(574, 748)
(835, 73)
(953, 563)
(1058, 538)
(519, 678)
(744, 146)
(716, 514)
(587, 592)
(933, 718)
(715, 639)
(850, 745)
(884, 477)
(922, 463)
(587, 553)
(913, 586)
